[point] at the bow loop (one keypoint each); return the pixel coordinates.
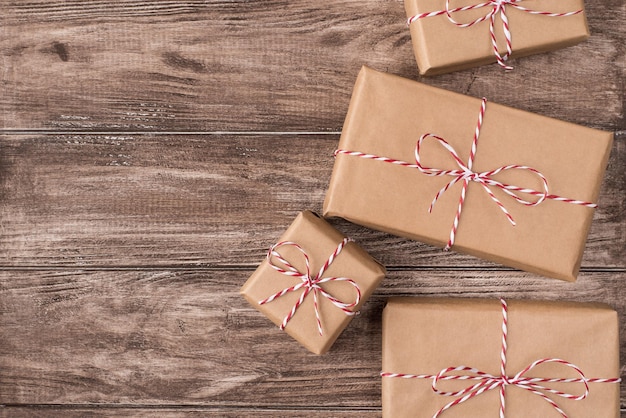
(290, 269)
(429, 171)
(468, 373)
(311, 284)
(495, 7)
(513, 191)
(528, 383)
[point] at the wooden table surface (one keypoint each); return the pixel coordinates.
(151, 151)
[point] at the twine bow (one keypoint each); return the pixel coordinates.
(310, 283)
(467, 175)
(487, 382)
(495, 7)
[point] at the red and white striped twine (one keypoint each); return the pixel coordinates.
(497, 6)
(311, 284)
(466, 175)
(487, 382)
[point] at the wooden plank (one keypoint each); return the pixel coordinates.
(212, 66)
(142, 411)
(188, 338)
(83, 200)
(100, 411)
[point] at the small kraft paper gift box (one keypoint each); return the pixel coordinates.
(313, 281)
(483, 179)
(476, 358)
(451, 35)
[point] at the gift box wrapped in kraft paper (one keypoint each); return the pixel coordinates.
(507, 185)
(313, 281)
(476, 358)
(459, 34)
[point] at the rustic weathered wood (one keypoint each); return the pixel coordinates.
(121, 254)
(54, 412)
(185, 412)
(108, 200)
(268, 66)
(187, 337)
(165, 412)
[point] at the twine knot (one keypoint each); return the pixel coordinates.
(505, 380)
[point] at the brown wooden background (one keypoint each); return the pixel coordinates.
(150, 153)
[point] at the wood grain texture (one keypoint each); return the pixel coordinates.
(180, 412)
(53, 412)
(240, 65)
(204, 200)
(187, 337)
(122, 253)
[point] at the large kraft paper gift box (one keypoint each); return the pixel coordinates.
(442, 46)
(386, 118)
(428, 337)
(277, 288)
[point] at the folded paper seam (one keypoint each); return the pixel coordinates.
(310, 283)
(498, 6)
(487, 382)
(466, 174)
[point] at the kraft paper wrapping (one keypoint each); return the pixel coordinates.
(424, 336)
(441, 47)
(386, 117)
(319, 239)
